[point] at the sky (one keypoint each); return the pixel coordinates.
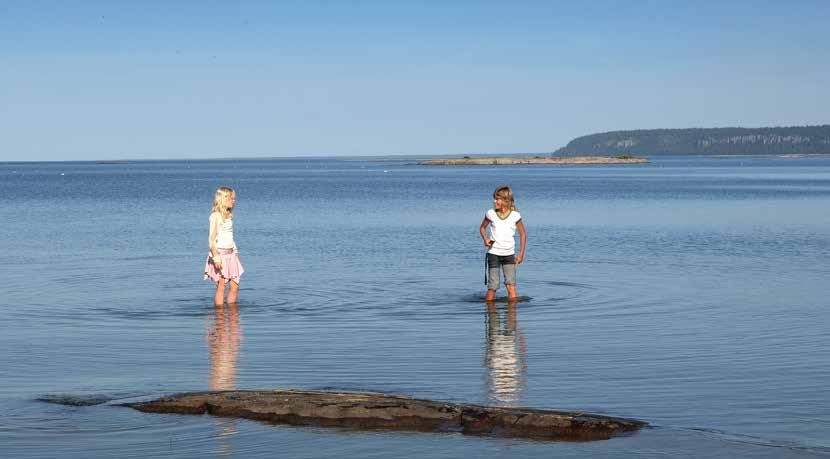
(117, 79)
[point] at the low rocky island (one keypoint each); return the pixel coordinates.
(370, 411)
(507, 160)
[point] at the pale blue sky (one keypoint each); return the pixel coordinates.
(149, 79)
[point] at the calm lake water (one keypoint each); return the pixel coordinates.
(691, 293)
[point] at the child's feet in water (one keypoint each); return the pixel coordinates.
(507, 299)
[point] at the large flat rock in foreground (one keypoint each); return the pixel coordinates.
(380, 411)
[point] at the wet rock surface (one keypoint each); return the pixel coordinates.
(370, 411)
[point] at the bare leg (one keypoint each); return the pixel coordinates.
(233, 293)
(219, 297)
(491, 295)
(511, 290)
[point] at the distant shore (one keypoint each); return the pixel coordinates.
(505, 160)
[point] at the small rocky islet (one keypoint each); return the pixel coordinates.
(557, 160)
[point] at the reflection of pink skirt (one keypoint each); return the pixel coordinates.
(231, 267)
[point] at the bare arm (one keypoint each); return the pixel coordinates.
(214, 230)
(521, 227)
(483, 230)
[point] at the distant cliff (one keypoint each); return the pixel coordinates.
(715, 141)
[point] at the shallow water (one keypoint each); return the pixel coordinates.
(689, 292)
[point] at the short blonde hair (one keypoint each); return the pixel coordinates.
(505, 194)
(219, 202)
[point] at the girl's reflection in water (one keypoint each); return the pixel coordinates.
(223, 344)
(505, 355)
(223, 337)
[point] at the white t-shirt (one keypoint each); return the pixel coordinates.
(224, 235)
(502, 231)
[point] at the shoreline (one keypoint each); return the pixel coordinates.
(505, 160)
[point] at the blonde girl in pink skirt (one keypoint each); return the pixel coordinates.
(222, 265)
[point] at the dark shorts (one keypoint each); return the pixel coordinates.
(498, 263)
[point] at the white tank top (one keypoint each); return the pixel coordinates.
(224, 237)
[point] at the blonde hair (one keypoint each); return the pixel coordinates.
(219, 202)
(505, 194)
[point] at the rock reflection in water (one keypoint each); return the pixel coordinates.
(223, 338)
(505, 355)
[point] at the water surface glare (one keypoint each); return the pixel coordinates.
(689, 292)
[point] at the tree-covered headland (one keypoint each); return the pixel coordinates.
(703, 141)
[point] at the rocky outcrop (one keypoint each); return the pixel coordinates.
(380, 411)
(506, 160)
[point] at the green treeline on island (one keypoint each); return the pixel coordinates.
(703, 141)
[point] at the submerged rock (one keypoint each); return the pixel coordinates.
(75, 400)
(380, 411)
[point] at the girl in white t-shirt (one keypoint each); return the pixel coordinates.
(222, 265)
(503, 219)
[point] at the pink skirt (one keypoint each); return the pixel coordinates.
(231, 267)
